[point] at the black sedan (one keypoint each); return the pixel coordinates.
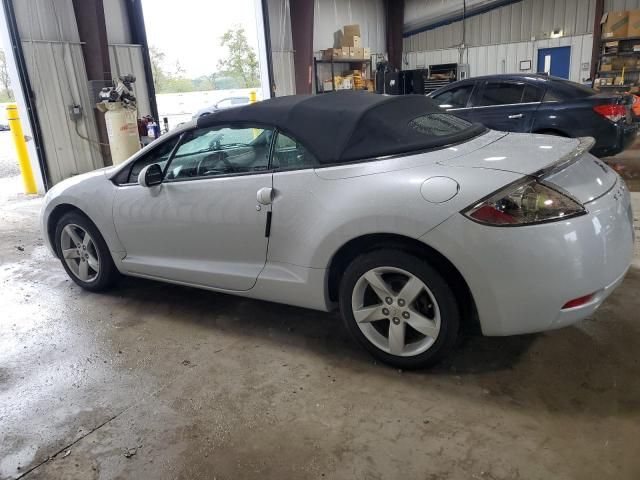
(542, 104)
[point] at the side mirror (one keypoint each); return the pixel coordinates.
(150, 175)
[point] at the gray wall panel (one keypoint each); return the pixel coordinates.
(516, 22)
(613, 5)
(46, 20)
(128, 59)
(57, 75)
(117, 22)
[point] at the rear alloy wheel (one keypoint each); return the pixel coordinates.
(84, 253)
(399, 308)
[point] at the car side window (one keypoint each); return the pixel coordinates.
(455, 98)
(551, 96)
(501, 93)
(215, 151)
(532, 94)
(159, 155)
(288, 154)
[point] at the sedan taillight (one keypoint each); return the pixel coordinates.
(611, 112)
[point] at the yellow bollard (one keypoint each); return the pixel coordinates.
(21, 149)
(253, 98)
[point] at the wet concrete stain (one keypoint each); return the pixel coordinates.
(203, 385)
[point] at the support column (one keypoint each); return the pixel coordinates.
(95, 50)
(139, 37)
(301, 12)
(597, 35)
(394, 10)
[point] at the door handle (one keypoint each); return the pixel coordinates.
(517, 115)
(265, 195)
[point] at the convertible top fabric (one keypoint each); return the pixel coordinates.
(346, 126)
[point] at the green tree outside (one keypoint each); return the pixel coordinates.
(239, 69)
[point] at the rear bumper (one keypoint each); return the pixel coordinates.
(621, 139)
(521, 277)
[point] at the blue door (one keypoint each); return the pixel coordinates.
(554, 61)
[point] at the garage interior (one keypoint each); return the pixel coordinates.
(152, 380)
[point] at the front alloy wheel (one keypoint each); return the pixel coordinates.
(84, 253)
(79, 253)
(399, 308)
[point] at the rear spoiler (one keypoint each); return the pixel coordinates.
(584, 145)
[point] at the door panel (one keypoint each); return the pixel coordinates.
(203, 224)
(555, 61)
(500, 106)
(206, 232)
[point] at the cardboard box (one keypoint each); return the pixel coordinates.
(367, 53)
(352, 41)
(606, 68)
(350, 32)
(334, 53)
(634, 23)
(356, 53)
(615, 24)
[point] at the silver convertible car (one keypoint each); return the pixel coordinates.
(411, 221)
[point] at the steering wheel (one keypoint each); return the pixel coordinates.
(209, 165)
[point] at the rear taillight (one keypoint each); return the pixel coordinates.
(524, 203)
(611, 112)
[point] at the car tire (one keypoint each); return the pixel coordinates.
(407, 333)
(84, 253)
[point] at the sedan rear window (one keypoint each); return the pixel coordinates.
(439, 124)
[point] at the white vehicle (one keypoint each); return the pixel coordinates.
(410, 220)
(229, 102)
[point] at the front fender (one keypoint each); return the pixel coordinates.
(92, 193)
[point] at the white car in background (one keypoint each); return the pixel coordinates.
(408, 219)
(223, 104)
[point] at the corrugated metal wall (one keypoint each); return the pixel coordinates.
(499, 39)
(281, 47)
(126, 59)
(331, 15)
(517, 22)
(615, 5)
(55, 64)
(505, 58)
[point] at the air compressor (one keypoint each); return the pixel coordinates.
(118, 104)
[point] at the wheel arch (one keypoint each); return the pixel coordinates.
(54, 217)
(367, 243)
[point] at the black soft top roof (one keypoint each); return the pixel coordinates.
(345, 126)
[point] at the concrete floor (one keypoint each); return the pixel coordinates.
(158, 381)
